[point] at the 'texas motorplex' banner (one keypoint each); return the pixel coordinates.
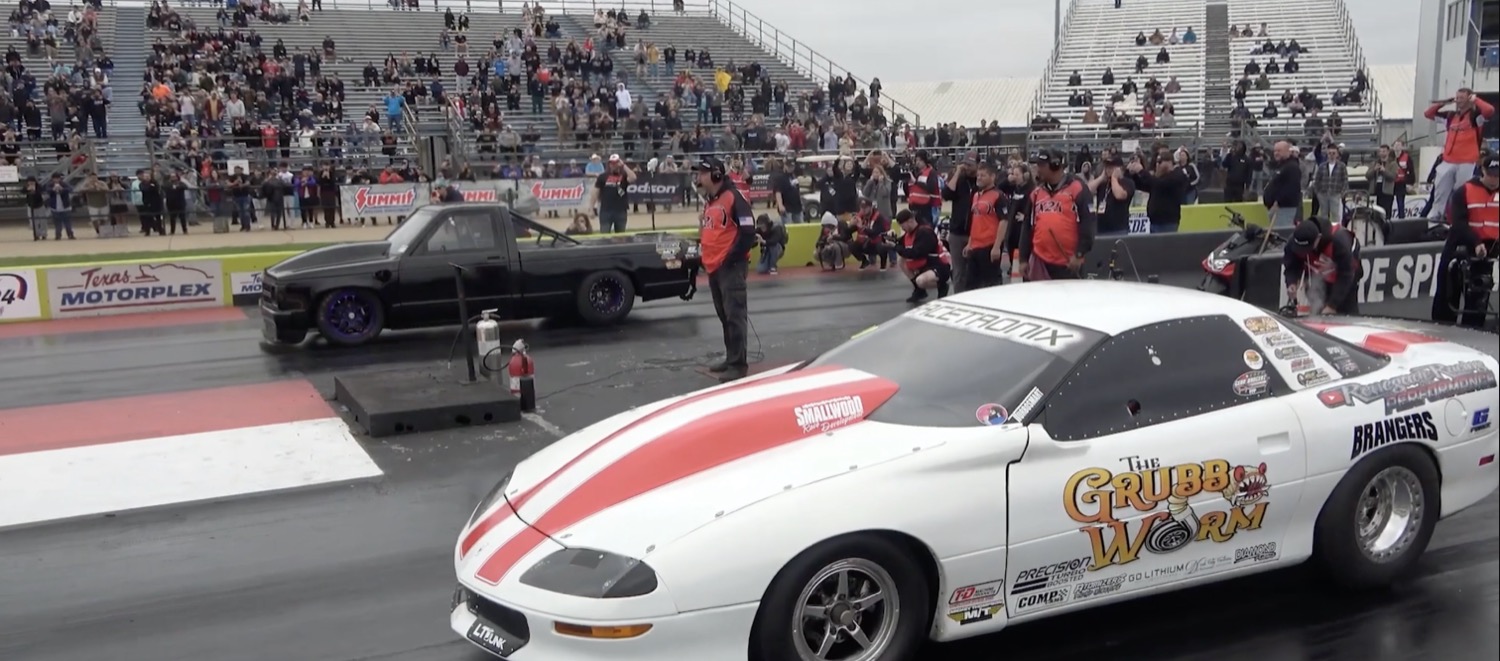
(88, 291)
(382, 200)
(20, 299)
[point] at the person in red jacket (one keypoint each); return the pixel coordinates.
(726, 232)
(923, 257)
(1460, 146)
(1474, 219)
(1323, 258)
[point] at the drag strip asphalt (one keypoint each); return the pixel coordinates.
(364, 571)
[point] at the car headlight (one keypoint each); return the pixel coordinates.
(490, 498)
(591, 574)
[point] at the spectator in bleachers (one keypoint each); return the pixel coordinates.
(1140, 38)
(1173, 39)
(1141, 63)
(1157, 38)
(1263, 32)
(1190, 37)
(1163, 57)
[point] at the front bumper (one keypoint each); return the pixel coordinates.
(720, 634)
(283, 326)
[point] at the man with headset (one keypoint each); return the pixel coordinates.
(1059, 227)
(726, 232)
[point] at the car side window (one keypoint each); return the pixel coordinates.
(462, 231)
(1160, 373)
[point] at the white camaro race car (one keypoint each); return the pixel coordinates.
(996, 457)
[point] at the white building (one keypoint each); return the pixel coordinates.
(1457, 46)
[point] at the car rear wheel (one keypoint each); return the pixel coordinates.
(605, 297)
(1378, 521)
(350, 316)
(855, 598)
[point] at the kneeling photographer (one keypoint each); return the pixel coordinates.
(871, 241)
(1324, 258)
(833, 242)
(1474, 227)
(923, 257)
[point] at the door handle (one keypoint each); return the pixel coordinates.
(1275, 443)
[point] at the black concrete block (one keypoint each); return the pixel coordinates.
(405, 401)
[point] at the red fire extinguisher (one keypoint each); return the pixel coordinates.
(522, 369)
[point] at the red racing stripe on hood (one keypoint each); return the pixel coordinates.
(499, 515)
(699, 446)
(1389, 342)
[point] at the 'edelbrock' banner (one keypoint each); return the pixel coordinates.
(89, 291)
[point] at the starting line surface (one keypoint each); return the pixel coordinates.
(75, 460)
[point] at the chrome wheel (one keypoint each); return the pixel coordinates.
(1389, 514)
(848, 612)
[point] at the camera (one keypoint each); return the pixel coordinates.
(1471, 278)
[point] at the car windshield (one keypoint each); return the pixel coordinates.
(951, 375)
(410, 230)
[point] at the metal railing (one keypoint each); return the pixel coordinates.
(1046, 84)
(1352, 41)
(803, 59)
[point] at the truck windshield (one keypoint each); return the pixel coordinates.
(410, 230)
(951, 376)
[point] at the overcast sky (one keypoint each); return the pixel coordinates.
(935, 40)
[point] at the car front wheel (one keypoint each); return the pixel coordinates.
(350, 316)
(1377, 523)
(855, 598)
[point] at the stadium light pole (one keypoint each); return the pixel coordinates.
(1056, 23)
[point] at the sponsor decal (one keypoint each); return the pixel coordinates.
(369, 200)
(1039, 599)
(244, 283)
(19, 298)
(1046, 577)
(975, 614)
(1409, 427)
(1109, 503)
(1209, 564)
(1345, 366)
(99, 290)
(991, 414)
(1024, 408)
(1400, 278)
(982, 594)
(1280, 340)
(1259, 553)
(1026, 330)
(559, 193)
(1301, 364)
(1481, 420)
(1253, 360)
(1099, 588)
(1140, 223)
(1422, 385)
(1252, 383)
(490, 638)
(1262, 325)
(830, 414)
(1313, 377)
(1289, 353)
(480, 195)
(1336, 351)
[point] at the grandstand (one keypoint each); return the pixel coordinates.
(1097, 36)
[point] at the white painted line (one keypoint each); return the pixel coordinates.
(37, 487)
(546, 426)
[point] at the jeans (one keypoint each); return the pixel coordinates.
(62, 221)
(1331, 207)
(956, 245)
(770, 255)
(612, 220)
(1283, 218)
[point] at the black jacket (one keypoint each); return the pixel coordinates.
(1164, 207)
(1344, 253)
(1285, 187)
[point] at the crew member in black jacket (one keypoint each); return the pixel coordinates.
(1283, 194)
(1324, 258)
(1237, 172)
(924, 258)
(1168, 187)
(958, 190)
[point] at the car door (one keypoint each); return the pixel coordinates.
(468, 237)
(1166, 456)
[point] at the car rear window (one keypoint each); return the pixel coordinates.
(955, 364)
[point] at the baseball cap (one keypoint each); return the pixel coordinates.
(1050, 157)
(1491, 163)
(614, 158)
(709, 164)
(1305, 236)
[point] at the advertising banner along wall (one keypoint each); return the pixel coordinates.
(86, 291)
(20, 299)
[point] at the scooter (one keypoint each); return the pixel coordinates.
(1251, 240)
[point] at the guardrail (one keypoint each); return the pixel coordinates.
(1046, 82)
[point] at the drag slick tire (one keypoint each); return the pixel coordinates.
(350, 316)
(605, 297)
(1378, 521)
(853, 598)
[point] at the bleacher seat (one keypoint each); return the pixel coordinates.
(1323, 28)
(1099, 36)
